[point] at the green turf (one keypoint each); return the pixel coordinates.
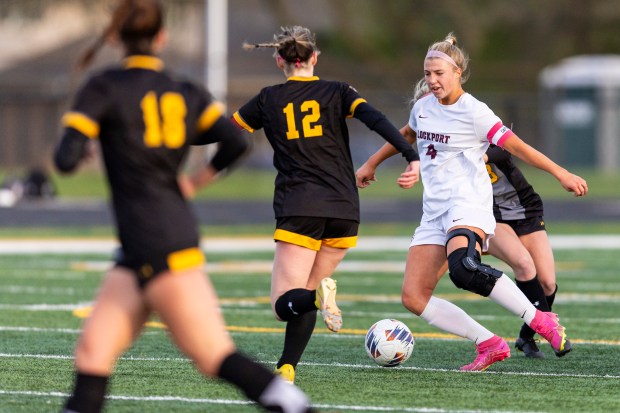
(37, 342)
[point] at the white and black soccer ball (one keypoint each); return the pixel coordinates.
(389, 342)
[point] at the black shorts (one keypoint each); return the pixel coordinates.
(313, 232)
(526, 226)
(147, 268)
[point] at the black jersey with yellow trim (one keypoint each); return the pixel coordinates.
(514, 198)
(304, 120)
(145, 121)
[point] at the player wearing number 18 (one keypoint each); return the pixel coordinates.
(145, 121)
(316, 202)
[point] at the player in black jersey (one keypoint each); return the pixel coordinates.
(521, 239)
(145, 121)
(316, 203)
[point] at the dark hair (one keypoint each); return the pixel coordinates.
(294, 44)
(135, 22)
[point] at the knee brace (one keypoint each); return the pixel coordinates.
(466, 270)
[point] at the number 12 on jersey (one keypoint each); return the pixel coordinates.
(312, 113)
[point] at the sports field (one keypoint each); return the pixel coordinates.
(46, 287)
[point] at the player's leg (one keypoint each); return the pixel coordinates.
(341, 234)
(507, 246)
(186, 301)
(300, 329)
(338, 236)
(425, 265)
(117, 318)
(293, 301)
(467, 272)
(538, 244)
(290, 296)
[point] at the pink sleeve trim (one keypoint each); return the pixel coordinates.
(493, 130)
(499, 134)
(504, 138)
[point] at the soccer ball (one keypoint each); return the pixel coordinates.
(389, 342)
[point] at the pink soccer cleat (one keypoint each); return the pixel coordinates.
(549, 327)
(489, 351)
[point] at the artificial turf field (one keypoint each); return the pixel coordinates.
(43, 295)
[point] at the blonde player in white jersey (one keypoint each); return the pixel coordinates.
(452, 130)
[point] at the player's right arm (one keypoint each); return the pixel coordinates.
(72, 149)
(81, 125)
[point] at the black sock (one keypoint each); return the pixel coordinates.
(263, 387)
(88, 394)
(295, 303)
(251, 377)
(296, 338)
(551, 298)
(535, 293)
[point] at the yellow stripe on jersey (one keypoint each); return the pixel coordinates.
(184, 259)
(297, 239)
(143, 62)
(81, 123)
(354, 105)
(242, 123)
(303, 79)
(209, 116)
(345, 242)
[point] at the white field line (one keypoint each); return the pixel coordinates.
(331, 365)
(244, 402)
(247, 244)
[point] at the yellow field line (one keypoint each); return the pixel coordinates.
(84, 311)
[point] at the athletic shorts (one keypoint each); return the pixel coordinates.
(147, 268)
(526, 225)
(313, 232)
(434, 231)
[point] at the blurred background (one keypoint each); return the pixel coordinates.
(550, 69)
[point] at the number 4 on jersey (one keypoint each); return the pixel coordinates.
(431, 151)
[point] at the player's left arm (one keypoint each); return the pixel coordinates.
(231, 147)
(531, 156)
(376, 121)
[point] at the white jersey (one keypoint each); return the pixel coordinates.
(451, 141)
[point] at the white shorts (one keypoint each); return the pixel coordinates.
(434, 231)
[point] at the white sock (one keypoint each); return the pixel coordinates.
(448, 317)
(285, 396)
(507, 294)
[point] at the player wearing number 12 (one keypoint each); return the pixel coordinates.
(316, 202)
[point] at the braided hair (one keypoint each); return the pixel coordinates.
(295, 45)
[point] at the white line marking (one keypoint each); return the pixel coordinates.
(332, 365)
(245, 402)
(246, 244)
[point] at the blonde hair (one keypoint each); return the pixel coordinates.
(419, 90)
(295, 45)
(450, 48)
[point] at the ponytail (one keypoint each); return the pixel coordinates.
(135, 22)
(294, 45)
